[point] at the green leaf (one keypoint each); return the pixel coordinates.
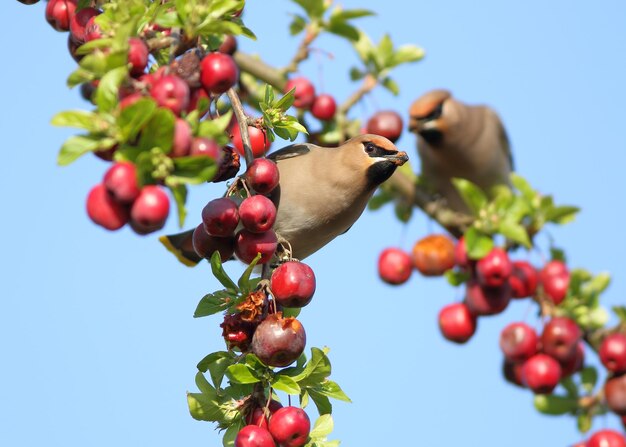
(477, 243)
(314, 8)
(216, 363)
(598, 283)
(349, 14)
(240, 373)
(570, 386)
(343, 29)
(403, 211)
(555, 405)
(456, 277)
(291, 311)
(381, 198)
(317, 368)
(107, 93)
(159, 131)
(193, 170)
(212, 303)
(562, 214)
(598, 317)
(297, 25)
(523, 187)
(515, 232)
(79, 145)
(391, 85)
(203, 407)
(332, 389)
(180, 197)
(220, 274)
(584, 422)
(356, 74)
(589, 378)
(285, 383)
(323, 426)
(77, 118)
(203, 385)
(471, 194)
(620, 312)
(231, 433)
(244, 279)
(406, 54)
(321, 402)
(134, 117)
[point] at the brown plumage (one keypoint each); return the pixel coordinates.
(459, 140)
(322, 191)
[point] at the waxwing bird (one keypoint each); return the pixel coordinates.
(322, 192)
(459, 140)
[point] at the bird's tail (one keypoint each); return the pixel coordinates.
(181, 246)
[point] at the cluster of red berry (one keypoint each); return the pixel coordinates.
(537, 362)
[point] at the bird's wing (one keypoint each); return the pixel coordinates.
(293, 150)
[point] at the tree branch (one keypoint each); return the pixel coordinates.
(303, 51)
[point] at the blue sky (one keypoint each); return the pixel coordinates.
(97, 338)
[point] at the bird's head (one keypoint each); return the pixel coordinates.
(375, 155)
(428, 115)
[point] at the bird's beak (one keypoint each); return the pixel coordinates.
(397, 158)
(418, 125)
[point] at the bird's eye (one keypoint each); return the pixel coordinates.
(370, 147)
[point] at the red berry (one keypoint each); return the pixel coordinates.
(137, 56)
(304, 94)
(150, 210)
(541, 373)
(249, 244)
(324, 107)
(171, 92)
(257, 416)
(575, 363)
(257, 213)
(387, 123)
(512, 372)
(555, 280)
(457, 323)
(613, 352)
(394, 266)
(253, 436)
(487, 300)
(78, 23)
(290, 427)
(218, 72)
(293, 284)
(129, 100)
(258, 141)
(194, 98)
(494, 269)
(121, 182)
(263, 175)
(278, 341)
(560, 337)
(615, 394)
(181, 145)
(206, 147)
(220, 217)
(229, 45)
(59, 12)
(433, 255)
(103, 210)
(523, 279)
(205, 245)
(92, 30)
(518, 342)
(460, 254)
(606, 438)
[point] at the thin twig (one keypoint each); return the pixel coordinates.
(369, 82)
(303, 51)
(242, 120)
